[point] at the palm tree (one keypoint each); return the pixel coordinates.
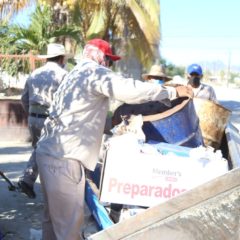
(131, 25)
(34, 38)
(10, 7)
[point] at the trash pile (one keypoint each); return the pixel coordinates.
(140, 175)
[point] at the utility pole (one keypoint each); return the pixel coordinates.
(228, 67)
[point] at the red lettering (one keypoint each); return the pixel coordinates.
(135, 190)
(126, 188)
(167, 191)
(112, 184)
(171, 179)
(144, 190)
(158, 192)
(175, 192)
(119, 187)
(150, 190)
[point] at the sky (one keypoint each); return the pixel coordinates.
(23, 17)
(200, 31)
(206, 31)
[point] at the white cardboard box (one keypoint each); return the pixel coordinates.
(146, 179)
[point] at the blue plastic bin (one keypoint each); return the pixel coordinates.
(178, 125)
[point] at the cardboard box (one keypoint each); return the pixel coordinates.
(133, 177)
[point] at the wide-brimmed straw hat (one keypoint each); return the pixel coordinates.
(157, 72)
(54, 50)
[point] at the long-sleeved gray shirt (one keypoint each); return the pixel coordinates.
(78, 113)
(205, 91)
(41, 85)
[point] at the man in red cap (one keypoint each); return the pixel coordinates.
(73, 132)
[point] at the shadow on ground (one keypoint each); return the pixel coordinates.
(18, 214)
(15, 150)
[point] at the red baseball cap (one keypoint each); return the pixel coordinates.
(104, 47)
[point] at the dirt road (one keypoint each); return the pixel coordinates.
(20, 217)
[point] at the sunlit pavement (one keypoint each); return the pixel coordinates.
(19, 215)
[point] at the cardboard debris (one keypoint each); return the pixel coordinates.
(138, 174)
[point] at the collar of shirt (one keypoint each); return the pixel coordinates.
(197, 90)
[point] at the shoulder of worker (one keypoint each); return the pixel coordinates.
(49, 66)
(95, 68)
(207, 86)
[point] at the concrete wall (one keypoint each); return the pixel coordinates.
(13, 121)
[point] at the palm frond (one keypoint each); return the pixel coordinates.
(98, 24)
(138, 31)
(9, 8)
(72, 32)
(150, 31)
(152, 9)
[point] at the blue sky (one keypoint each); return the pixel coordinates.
(199, 31)
(195, 31)
(23, 16)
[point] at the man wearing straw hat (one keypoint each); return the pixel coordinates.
(157, 75)
(36, 98)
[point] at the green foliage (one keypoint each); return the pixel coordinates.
(172, 70)
(131, 26)
(18, 39)
(233, 76)
(98, 25)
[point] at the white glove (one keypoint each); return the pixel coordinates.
(132, 124)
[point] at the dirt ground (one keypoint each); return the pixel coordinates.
(20, 217)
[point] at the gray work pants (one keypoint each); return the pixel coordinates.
(30, 173)
(63, 186)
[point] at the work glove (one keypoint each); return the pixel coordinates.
(130, 124)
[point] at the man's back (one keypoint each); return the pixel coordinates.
(42, 83)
